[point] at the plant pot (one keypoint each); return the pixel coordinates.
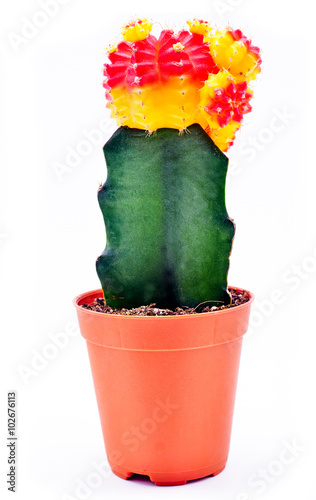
(165, 388)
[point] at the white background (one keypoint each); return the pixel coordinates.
(51, 231)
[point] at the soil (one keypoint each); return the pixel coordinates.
(238, 298)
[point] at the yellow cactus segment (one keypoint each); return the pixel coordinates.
(221, 79)
(137, 30)
(224, 137)
(199, 27)
(219, 42)
(119, 106)
(233, 55)
(166, 105)
(250, 68)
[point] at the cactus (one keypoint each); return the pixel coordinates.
(178, 100)
(165, 216)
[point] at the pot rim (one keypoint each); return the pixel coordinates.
(80, 298)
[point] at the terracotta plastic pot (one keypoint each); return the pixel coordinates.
(165, 388)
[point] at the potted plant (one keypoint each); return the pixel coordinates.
(164, 334)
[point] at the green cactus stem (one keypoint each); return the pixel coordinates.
(169, 236)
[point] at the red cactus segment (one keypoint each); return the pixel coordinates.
(106, 86)
(199, 55)
(150, 60)
(230, 103)
(133, 64)
(164, 37)
(144, 60)
(171, 61)
(195, 58)
(120, 60)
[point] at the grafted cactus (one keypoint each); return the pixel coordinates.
(178, 100)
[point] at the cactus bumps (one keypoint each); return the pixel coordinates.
(170, 81)
(178, 100)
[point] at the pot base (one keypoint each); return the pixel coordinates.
(172, 478)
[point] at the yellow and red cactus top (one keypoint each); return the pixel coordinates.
(178, 79)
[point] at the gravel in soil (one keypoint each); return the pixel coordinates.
(238, 298)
